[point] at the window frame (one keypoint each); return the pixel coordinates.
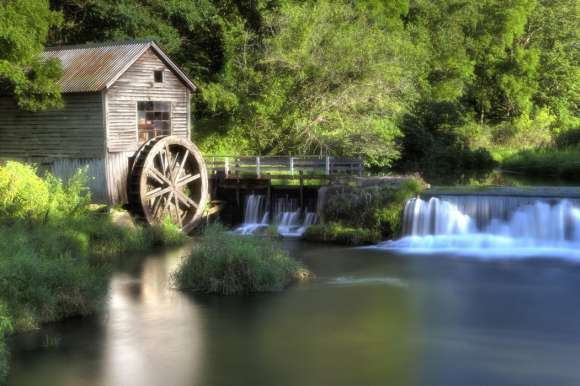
(161, 73)
(170, 120)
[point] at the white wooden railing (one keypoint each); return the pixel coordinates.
(282, 166)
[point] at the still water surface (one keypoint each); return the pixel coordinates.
(370, 318)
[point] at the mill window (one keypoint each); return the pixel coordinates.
(158, 76)
(154, 118)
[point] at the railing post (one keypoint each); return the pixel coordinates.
(258, 166)
(327, 165)
(226, 167)
(291, 166)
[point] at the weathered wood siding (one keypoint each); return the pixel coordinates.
(95, 169)
(75, 131)
(117, 175)
(135, 85)
(60, 141)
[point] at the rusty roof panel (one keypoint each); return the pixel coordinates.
(94, 67)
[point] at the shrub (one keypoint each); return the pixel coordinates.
(343, 235)
(23, 194)
(38, 287)
(225, 263)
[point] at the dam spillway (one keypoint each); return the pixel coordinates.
(490, 225)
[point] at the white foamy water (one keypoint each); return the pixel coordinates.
(491, 226)
(289, 219)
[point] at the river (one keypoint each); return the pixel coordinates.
(371, 317)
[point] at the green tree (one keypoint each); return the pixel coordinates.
(24, 26)
(325, 79)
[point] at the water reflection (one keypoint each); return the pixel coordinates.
(370, 318)
(151, 327)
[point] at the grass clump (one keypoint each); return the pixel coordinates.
(39, 288)
(340, 234)
(5, 328)
(225, 263)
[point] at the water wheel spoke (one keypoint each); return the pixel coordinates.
(159, 176)
(177, 210)
(181, 165)
(167, 202)
(168, 160)
(187, 179)
(157, 206)
(157, 192)
(188, 202)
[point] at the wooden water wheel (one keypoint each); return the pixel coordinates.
(169, 180)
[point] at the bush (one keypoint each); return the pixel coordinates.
(23, 194)
(340, 234)
(39, 287)
(225, 263)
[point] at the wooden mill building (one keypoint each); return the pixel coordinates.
(116, 96)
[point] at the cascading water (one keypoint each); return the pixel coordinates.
(491, 226)
(289, 218)
(255, 215)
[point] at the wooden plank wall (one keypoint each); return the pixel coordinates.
(117, 173)
(66, 168)
(76, 131)
(137, 84)
(60, 141)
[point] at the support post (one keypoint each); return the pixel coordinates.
(258, 166)
(327, 165)
(269, 199)
(292, 166)
(226, 166)
(301, 189)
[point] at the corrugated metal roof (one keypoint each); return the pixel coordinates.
(94, 67)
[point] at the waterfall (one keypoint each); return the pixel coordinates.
(255, 214)
(289, 219)
(490, 226)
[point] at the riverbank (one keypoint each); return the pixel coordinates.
(56, 249)
(558, 163)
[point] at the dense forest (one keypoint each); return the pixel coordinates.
(412, 84)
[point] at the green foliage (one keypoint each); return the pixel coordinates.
(437, 84)
(225, 263)
(48, 238)
(5, 328)
(23, 194)
(340, 234)
(327, 80)
(38, 287)
(546, 162)
(24, 27)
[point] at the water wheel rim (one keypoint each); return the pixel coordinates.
(165, 165)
